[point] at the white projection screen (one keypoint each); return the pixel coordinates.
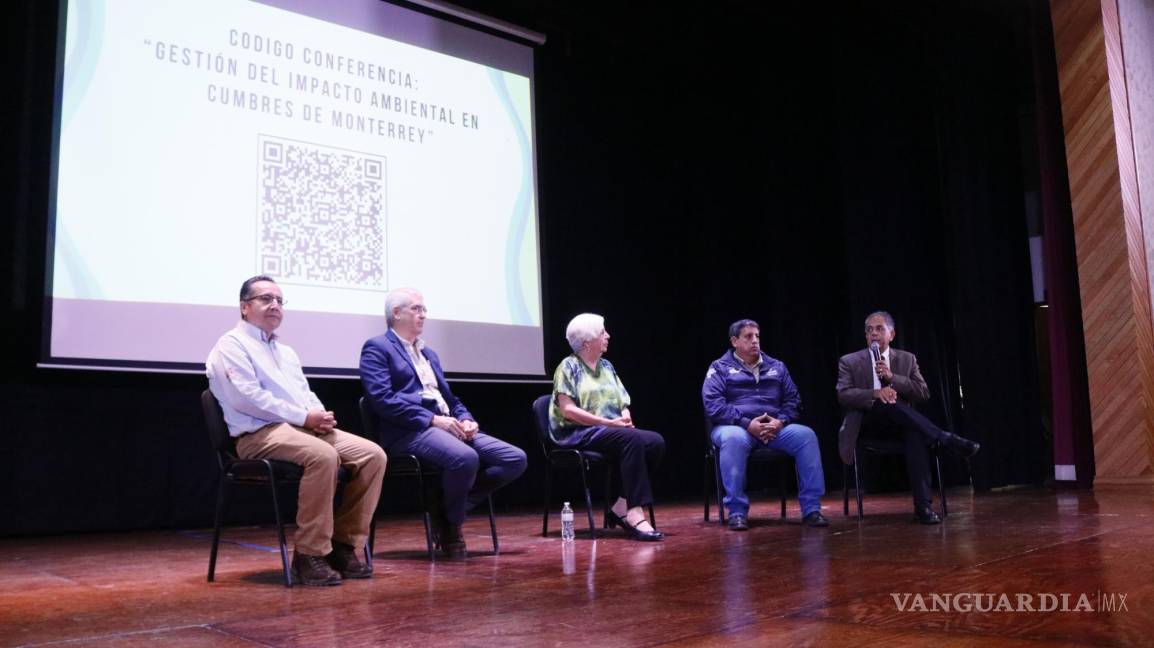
(344, 147)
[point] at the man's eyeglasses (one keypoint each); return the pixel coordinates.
(267, 299)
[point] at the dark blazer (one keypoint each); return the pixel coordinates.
(393, 389)
(855, 391)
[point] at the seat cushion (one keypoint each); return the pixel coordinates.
(881, 446)
(254, 470)
(768, 454)
(407, 465)
(568, 456)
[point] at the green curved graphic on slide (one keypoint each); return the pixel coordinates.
(88, 32)
(521, 211)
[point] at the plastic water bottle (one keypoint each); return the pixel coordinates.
(569, 557)
(566, 523)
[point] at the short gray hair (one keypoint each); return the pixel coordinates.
(884, 315)
(582, 329)
(397, 298)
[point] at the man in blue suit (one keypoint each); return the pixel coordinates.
(419, 415)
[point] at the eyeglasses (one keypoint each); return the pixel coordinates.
(267, 299)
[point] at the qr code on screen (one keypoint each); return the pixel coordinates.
(321, 215)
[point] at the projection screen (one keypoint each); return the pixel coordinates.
(344, 148)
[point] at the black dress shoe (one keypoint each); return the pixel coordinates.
(927, 516)
(960, 446)
(453, 542)
(738, 522)
(447, 538)
(815, 519)
(634, 532)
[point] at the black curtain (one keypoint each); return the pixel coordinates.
(695, 167)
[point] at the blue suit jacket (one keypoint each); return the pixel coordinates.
(394, 390)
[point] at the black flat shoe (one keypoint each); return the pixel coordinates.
(634, 532)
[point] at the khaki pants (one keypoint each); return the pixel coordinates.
(320, 456)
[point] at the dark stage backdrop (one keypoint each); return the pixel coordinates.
(697, 165)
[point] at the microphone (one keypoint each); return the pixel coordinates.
(876, 352)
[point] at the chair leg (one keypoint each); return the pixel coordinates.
(941, 485)
(845, 489)
(608, 505)
(588, 500)
(705, 486)
(721, 514)
(371, 541)
(548, 486)
(426, 517)
(857, 486)
(288, 579)
(784, 486)
(493, 527)
(217, 519)
(428, 534)
(652, 517)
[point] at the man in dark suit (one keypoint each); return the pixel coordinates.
(419, 414)
(878, 394)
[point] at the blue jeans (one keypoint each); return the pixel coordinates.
(796, 440)
(470, 470)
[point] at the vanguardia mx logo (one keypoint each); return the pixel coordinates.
(1006, 602)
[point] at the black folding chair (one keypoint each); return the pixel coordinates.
(265, 473)
(776, 461)
(866, 447)
(409, 466)
(584, 460)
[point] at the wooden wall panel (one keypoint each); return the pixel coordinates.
(1109, 237)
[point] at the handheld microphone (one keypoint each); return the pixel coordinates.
(876, 352)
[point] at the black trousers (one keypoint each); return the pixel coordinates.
(898, 420)
(637, 451)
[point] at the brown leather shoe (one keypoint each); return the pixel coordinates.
(452, 542)
(345, 559)
(313, 570)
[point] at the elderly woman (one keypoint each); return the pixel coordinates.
(590, 411)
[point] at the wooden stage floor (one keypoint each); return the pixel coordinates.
(779, 584)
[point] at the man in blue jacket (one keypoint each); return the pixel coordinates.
(419, 415)
(751, 403)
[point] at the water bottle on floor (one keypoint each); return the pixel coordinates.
(569, 557)
(566, 523)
